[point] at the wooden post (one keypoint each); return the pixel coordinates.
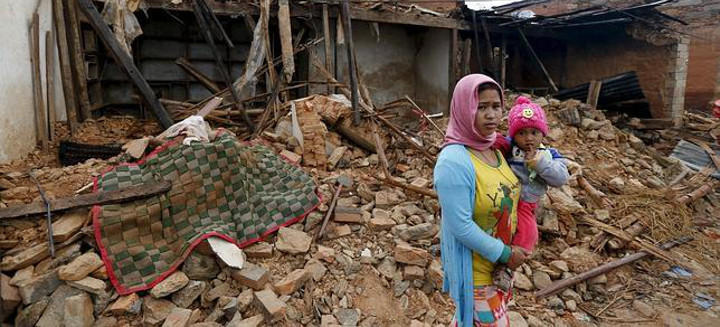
(328, 48)
(453, 78)
(537, 60)
(286, 39)
(594, 93)
(125, 61)
(503, 61)
(488, 47)
(50, 81)
(347, 29)
(40, 121)
(467, 54)
(65, 66)
(476, 33)
(77, 58)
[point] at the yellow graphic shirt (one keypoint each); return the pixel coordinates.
(497, 191)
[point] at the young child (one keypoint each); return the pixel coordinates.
(535, 165)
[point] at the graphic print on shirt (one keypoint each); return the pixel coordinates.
(502, 212)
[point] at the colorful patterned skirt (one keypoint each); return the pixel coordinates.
(490, 308)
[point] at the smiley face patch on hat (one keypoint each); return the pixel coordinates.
(528, 112)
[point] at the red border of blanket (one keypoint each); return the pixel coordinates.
(103, 252)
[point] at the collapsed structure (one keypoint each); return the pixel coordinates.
(360, 127)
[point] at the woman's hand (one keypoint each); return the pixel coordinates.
(518, 255)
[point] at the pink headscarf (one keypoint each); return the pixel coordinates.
(461, 129)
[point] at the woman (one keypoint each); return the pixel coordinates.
(478, 195)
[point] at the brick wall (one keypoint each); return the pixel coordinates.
(703, 69)
(703, 16)
(597, 59)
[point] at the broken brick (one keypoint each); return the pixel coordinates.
(407, 254)
(252, 276)
(292, 282)
(270, 305)
(348, 215)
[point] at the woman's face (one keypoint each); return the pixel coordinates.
(489, 112)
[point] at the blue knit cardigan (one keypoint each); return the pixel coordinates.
(454, 179)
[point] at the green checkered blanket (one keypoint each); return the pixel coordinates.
(239, 192)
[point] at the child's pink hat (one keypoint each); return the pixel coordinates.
(525, 114)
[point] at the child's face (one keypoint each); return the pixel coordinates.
(528, 139)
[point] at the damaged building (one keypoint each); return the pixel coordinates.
(270, 162)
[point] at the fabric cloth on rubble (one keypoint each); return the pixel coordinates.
(455, 181)
(461, 128)
(194, 128)
(228, 189)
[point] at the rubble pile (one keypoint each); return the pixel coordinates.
(378, 261)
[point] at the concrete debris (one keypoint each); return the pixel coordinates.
(173, 283)
(80, 267)
(292, 241)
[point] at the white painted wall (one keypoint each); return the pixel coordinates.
(432, 71)
(404, 61)
(17, 111)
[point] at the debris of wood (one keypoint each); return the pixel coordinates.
(40, 113)
(597, 271)
(84, 200)
(197, 74)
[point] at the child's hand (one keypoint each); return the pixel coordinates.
(531, 162)
(517, 257)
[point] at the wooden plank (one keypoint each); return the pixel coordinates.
(537, 60)
(347, 30)
(124, 195)
(77, 58)
(328, 44)
(125, 61)
(560, 285)
(50, 81)
(594, 92)
(40, 121)
(231, 8)
(197, 74)
(65, 65)
(286, 39)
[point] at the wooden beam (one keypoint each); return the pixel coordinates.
(537, 59)
(123, 195)
(197, 74)
(328, 44)
(40, 121)
(65, 65)
(124, 61)
(347, 29)
(503, 61)
(560, 285)
(50, 81)
(77, 58)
